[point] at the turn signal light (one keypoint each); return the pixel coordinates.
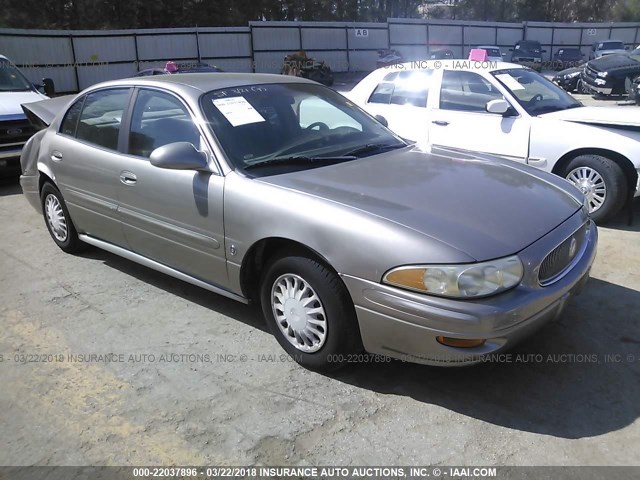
(461, 342)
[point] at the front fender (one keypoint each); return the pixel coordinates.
(552, 140)
(353, 242)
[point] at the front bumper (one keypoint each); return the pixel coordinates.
(591, 85)
(404, 325)
(533, 63)
(10, 158)
(568, 84)
(31, 189)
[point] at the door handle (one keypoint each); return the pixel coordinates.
(128, 178)
(442, 123)
(56, 156)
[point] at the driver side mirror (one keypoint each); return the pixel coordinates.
(49, 87)
(179, 156)
(499, 107)
(382, 120)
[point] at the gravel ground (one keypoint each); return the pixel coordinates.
(193, 378)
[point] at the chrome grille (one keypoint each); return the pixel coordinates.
(15, 131)
(590, 72)
(563, 257)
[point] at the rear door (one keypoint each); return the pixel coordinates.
(174, 217)
(86, 157)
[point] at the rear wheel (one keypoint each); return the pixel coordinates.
(310, 312)
(57, 219)
(602, 181)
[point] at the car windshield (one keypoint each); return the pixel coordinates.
(534, 92)
(611, 46)
(273, 125)
(11, 79)
(529, 47)
(569, 52)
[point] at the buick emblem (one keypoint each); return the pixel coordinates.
(573, 247)
(13, 132)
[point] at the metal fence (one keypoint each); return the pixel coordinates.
(79, 58)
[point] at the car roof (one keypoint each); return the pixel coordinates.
(488, 46)
(611, 40)
(202, 82)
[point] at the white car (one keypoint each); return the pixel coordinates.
(511, 111)
(494, 54)
(15, 129)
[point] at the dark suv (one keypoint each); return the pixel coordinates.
(528, 52)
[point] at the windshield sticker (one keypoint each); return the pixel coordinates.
(238, 111)
(509, 81)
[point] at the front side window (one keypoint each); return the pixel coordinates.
(159, 119)
(275, 128)
(466, 91)
(101, 117)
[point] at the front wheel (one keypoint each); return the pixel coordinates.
(310, 312)
(603, 183)
(58, 221)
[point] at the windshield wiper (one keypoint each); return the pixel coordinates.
(371, 147)
(298, 160)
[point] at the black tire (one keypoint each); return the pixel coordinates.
(70, 243)
(323, 76)
(628, 85)
(341, 336)
(616, 183)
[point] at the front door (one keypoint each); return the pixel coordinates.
(174, 217)
(460, 119)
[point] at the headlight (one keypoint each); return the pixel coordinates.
(572, 75)
(603, 74)
(459, 281)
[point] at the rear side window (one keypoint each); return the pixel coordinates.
(70, 121)
(102, 116)
(382, 93)
(159, 119)
(411, 88)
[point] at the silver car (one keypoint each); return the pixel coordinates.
(279, 190)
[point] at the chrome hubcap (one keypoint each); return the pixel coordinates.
(591, 184)
(55, 217)
(299, 313)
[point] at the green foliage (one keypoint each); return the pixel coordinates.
(105, 14)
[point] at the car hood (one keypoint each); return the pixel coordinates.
(10, 102)
(613, 62)
(602, 116)
(615, 51)
(484, 207)
(568, 71)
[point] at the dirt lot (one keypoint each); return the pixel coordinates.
(183, 376)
